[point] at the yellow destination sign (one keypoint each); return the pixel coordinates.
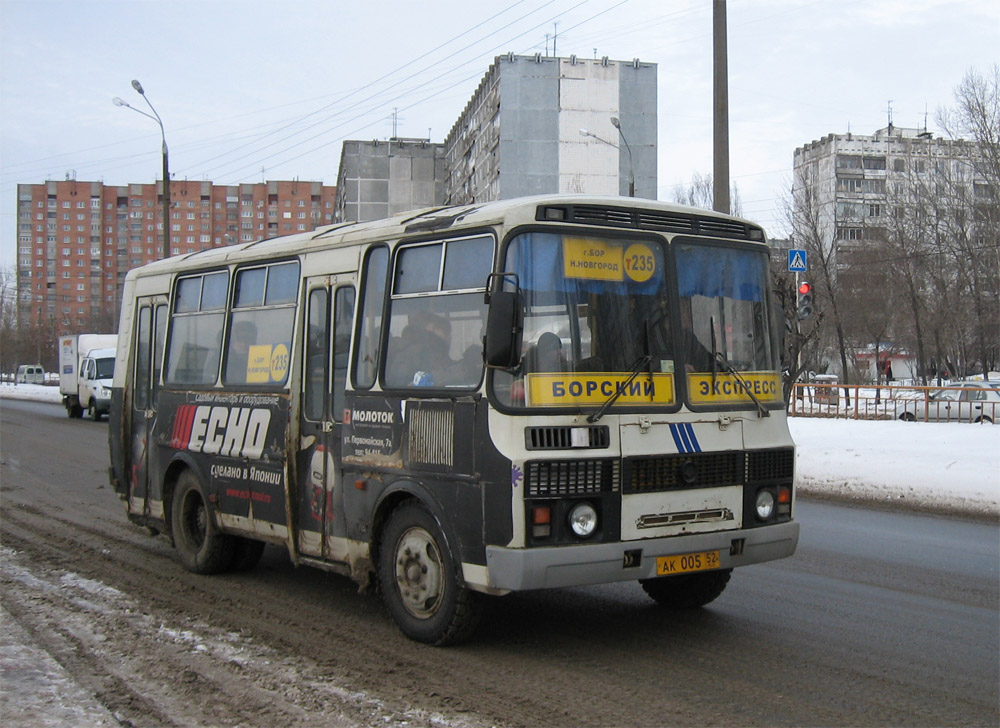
(766, 386)
(572, 390)
(595, 259)
(259, 364)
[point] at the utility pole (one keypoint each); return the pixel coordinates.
(720, 117)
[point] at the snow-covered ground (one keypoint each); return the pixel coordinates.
(953, 467)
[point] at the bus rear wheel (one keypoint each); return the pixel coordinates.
(419, 580)
(201, 547)
(687, 591)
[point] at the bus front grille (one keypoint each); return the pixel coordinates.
(682, 471)
(778, 464)
(554, 478)
(706, 470)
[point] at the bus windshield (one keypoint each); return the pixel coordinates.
(723, 294)
(594, 306)
(603, 314)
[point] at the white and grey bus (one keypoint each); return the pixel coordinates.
(534, 393)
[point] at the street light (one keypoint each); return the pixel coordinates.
(166, 166)
(631, 174)
(631, 169)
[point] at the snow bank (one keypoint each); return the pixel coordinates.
(947, 466)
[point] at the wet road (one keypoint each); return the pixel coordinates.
(881, 618)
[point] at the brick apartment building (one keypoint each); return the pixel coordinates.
(76, 240)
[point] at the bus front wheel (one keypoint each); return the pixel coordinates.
(419, 580)
(687, 591)
(201, 547)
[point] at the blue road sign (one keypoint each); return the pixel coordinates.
(797, 261)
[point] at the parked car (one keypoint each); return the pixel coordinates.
(963, 402)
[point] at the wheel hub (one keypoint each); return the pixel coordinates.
(419, 573)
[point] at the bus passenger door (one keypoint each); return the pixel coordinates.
(329, 318)
(151, 321)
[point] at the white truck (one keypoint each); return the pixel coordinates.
(86, 368)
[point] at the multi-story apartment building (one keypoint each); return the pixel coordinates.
(380, 178)
(850, 189)
(540, 124)
(76, 240)
(521, 133)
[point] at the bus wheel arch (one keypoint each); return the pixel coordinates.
(201, 547)
(419, 575)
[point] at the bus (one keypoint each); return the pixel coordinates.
(463, 402)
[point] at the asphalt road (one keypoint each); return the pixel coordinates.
(881, 618)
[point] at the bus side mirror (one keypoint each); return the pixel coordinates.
(502, 347)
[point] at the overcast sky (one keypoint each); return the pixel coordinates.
(251, 90)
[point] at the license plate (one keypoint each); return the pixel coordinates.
(667, 565)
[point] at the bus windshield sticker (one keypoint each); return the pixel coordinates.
(766, 386)
(570, 390)
(267, 364)
(640, 263)
(593, 259)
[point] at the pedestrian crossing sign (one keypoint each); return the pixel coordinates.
(797, 261)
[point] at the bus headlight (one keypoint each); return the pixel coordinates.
(583, 519)
(765, 504)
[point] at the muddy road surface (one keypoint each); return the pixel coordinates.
(879, 619)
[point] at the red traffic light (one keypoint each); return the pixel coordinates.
(804, 288)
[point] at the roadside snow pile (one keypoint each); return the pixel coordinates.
(947, 466)
(35, 392)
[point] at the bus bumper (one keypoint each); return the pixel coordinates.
(513, 569)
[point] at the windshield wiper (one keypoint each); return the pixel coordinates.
(721, 359)
(639, 365)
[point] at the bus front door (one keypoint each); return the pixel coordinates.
(330, 312)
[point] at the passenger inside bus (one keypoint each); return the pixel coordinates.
(243, 337)
(421, 358)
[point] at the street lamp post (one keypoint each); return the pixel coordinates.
(631, 172)
(166, 165)
(631, 169)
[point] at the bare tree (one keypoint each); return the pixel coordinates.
(806, 216)
(701, 193)
(976, 117)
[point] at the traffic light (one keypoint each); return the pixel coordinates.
(804, 300)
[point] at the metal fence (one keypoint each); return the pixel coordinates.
(895, 402)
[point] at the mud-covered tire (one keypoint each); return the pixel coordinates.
(419, 580)
(687, 591)
(200, 546)
(93, 412)
(246, 553)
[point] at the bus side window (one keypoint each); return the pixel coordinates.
(370, 326)
(259, 340)
(196, 329)
(343, 318)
